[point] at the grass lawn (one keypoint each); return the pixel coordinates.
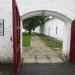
(26, 39)
(51, 42)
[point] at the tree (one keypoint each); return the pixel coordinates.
(31, 23)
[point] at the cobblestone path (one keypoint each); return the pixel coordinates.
(38, 52)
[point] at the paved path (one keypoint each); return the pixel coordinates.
(39, 52)
(41, 60)
(62, 68)
(6, 69)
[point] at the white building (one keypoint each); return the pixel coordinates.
(64, 10)
(52, 28)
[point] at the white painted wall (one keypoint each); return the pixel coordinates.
(49, 28)
(65, 7)
(5, 41)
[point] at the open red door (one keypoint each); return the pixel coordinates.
(72, 46)
(16, 38)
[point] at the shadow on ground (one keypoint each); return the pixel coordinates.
(5, 69)
(63, 68)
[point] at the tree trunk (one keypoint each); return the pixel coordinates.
(29, 32)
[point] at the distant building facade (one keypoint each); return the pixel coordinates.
(52, 28)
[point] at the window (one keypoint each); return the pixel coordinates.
(56, 30)
(1, 27)
(49, 31)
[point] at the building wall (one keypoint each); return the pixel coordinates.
(5, 41)
(53, 28)
(49, 29)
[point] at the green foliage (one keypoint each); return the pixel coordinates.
(51, 42)
(26, 40)
(32, 22)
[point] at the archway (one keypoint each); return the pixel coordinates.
(67, 30)
(67, 26)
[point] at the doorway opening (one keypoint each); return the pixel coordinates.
(66, 33)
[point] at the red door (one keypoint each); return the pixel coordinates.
(16, 38)
(72, 46)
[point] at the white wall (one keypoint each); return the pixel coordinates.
(49, 28)
(65, 7)
(5, 41)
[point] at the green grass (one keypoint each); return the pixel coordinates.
(51, 42)
(26, 39)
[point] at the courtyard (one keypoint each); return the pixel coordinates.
(38, 52)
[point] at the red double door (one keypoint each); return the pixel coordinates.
(16, 38)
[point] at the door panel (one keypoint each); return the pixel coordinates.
(16, 38)
(72, 46)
